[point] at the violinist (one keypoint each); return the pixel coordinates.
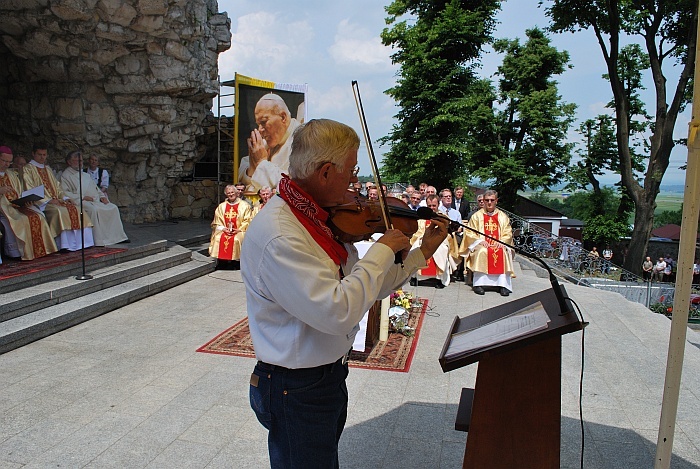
(306, 294)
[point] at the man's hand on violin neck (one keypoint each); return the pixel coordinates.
(396, 240)
(434, 235)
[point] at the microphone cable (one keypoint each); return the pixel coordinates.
(580, 384)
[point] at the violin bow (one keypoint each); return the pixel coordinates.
(375, 169)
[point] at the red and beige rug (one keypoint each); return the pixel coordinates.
(11, 268)
(395, 354)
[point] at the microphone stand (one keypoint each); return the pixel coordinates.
(564, 305)
(84, 276)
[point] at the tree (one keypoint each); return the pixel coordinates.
(436, 44)
(666, 29)
(668, 217)
(598, 156)
(604, 229)
(542, 198)
(530, 125)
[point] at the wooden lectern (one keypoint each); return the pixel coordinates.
(513, 415)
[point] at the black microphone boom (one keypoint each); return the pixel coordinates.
(424, 213)
(84, 276)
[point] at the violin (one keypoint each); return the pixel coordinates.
(358, 217)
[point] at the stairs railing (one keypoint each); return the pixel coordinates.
(569, 260)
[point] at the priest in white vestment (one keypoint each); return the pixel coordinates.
(491, 262)
(269, 145)
(107, 225)
(26, 233)
(63, 216)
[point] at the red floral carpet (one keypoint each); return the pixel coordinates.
(14, 268)
(395, 354)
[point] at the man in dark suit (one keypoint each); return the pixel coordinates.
(459, 203)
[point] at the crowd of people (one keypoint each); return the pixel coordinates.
(464, 256)
(40, 212)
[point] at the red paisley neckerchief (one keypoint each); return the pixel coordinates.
(313, 218)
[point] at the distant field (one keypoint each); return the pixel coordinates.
(665, 201)
(668, 202)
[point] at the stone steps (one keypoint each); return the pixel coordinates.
(71, 270)
(44, 308)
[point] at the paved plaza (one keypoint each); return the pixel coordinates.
(129, 390)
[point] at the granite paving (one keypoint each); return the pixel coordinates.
(128, 389)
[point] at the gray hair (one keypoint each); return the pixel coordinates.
(70, 154)
(320, 141)
(491, 192)
(277, 103)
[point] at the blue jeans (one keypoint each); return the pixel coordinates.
(304, 411)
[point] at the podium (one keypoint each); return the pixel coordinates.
(513, 415)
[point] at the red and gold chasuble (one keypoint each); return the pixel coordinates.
(226, 240)
(33, 217)
(430, 270)
(52, 192)
(496, 260)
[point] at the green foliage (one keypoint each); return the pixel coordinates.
(586, 205)
(599, 155)
(604, 229)
(526, 143)
(542, 198)
(665, 34)
(436, 44)
(669, 217)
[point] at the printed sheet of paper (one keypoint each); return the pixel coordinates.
(38, 190)
(32, 195)
(526, 321)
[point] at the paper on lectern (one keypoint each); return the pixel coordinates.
(523, 322)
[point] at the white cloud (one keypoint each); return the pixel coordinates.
(355, 45)
(264, 45)
(331, 102)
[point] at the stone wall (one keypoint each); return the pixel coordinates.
(128, 80)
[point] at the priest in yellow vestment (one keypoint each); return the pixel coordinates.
(441, 264)
(63, 216)
(26, 233)
(491, 262)
(231, 219)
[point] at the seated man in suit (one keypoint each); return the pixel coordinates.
(490, 261)
(440, 265)
(228, 228)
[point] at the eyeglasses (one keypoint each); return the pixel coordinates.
(489, 200)
(355, 169)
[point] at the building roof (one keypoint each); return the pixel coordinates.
(670, 231)
(572, 222)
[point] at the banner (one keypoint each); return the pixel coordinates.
(266, 115)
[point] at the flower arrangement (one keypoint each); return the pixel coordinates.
(401, 298)
(401, 305)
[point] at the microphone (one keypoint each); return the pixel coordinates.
(424, 213)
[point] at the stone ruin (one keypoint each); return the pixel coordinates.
(131, 81)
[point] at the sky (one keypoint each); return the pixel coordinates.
(328, 44)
